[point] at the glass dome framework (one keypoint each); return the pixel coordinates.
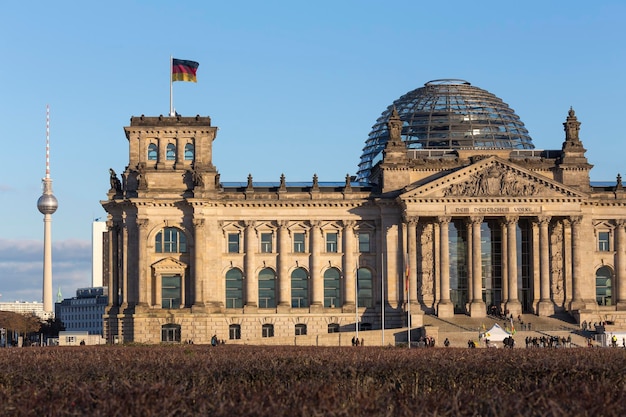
(448, 114)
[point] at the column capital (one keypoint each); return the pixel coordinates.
(142, 224)
(444, 219)
(410, 220)
(621, 223)
(283, 224)
(250, 224)
(315, 223)
(575, 220)
(511, 220)
(348, 224)
(544, 220)
(198, 223)
(476, 219)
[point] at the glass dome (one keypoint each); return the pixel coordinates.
(447, 114)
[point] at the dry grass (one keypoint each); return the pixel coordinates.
(310, 381)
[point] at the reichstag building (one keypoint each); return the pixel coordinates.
(453, 211)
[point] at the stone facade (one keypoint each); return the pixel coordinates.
(449, 232)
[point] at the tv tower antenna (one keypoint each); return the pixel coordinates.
(47, 205)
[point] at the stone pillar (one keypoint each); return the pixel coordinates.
(111, 282)
(284, 280)
(546, 307)
(349, 266)
(620, 275)
(317, 280)
(477, 306)
(251, 279)
(124, 269)
(197, 268)
(469, 264)
(411, 227)
(504, 261)
(577, 302)
(513, 304)
(536, 274)
(445, 308)
(143, 275)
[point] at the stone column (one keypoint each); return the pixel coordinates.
(469, 264)
(536, 267)
(477, 306)
(317, 280)
(513, 304)
(349, 266)
(284, 281)
(411, 227)
(577, 302)
(445, 308)
(619, 279)
(124, 269)
(143, 275)
(111, 282)
(251, 279)
(546, 307)
(197, 268)
(504, 261)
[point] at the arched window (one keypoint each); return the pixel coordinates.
(170, 333)
(170, 152)
(153, 152)
(267, 330)
(365, 288)
(604, 290)
(299, 288)
(332, 288)
(234, 288)
(189, 152)
(300, 329)
(333, 328)
(170, 240)
(267, 288)
(234, 332)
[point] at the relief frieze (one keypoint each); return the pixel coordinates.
(494, 181)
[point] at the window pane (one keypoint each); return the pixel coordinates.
(365, 288)
(332, 288)
(364, 242)
(331, 242)
(266, 242)
(233, 243)
(234, 288)
(170, 291)
(158, 242)
(267, 288)
(189, 152)
(603, 241)
(298, 242)
(152, 152)
(170, 152)
(299, 288)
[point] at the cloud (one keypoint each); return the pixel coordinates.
(21, 268)
(4, 188)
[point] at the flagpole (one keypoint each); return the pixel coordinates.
(382, 294)
(356, 301)
(171, 89)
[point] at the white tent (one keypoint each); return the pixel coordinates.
(495, 334)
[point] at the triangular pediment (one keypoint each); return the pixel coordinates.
(169, 265)
(491, 177)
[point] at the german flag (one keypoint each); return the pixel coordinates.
(183, 70)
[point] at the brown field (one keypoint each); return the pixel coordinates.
(228, 380)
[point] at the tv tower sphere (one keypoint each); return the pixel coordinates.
(47, 204)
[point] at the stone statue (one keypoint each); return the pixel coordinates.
(116, 185)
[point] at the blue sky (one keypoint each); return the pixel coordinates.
(293, 86)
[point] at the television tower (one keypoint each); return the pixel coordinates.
(47, 205)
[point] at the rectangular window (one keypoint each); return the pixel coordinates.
(331, 242)
(298, 242)
(603, 241)
(171, 293)
(364, 242)
(266, 242)
(233, 243)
